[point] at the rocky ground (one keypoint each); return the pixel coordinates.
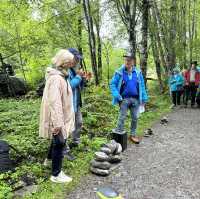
(164, 166)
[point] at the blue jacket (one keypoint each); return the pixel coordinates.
(76, 83)
(176, 82)
(116, 83)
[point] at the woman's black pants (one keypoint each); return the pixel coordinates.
(56, 155)
(191, 92)
(176, 97)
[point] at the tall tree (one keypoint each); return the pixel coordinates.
(172, 37)
(145, 24)
(91, 39)
(156, 55)
(127, 10)
(97, 22)
(157, 32)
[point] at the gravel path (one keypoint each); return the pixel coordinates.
(165, 166)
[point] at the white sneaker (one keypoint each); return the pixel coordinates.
(47, 162)
(172, 106)
(61, 178)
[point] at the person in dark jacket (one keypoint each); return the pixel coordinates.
(76, 78)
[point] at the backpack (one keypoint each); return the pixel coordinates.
(6, 164)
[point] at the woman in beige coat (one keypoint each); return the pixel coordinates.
(57, 114)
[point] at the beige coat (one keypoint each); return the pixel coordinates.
(57, 105)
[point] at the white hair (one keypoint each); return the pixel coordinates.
(61, 57)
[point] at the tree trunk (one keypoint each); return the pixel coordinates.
(172, 39)
(91, 39)
(144, 52)
(20, 52)
(97, 21)
(191, 28)
(155, 52)
(127, 11)
(162, 35)
(80, 27)
(160, 47)
(99, 54)
(184, 31)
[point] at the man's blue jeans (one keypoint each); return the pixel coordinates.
(78, 126)
(126, 104)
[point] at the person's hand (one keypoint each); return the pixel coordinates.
(80, 72)
(87, 75)
(56, 130)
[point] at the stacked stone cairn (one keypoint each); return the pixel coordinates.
(108, 155)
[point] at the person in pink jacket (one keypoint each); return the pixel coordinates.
(57, 114)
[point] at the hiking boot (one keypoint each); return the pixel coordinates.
(69, 156)
(61, 178)
(134, 139)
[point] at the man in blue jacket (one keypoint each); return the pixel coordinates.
(76, 80)
(128, 90)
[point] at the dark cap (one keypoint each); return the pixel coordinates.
(75, 52)
(194, 62)
(129, 55)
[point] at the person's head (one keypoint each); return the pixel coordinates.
(193, 65)
(175, 71)
(129, 60)
(63, 59)
(77, 55)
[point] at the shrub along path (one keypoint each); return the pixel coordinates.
(165, 166)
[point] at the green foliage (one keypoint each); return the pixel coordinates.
(19, 125)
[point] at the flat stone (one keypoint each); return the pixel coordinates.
(112, 146)
(115, 159)
(100, 165)
(101, 172)
(101, 156)
(118, 149)
(106, 150)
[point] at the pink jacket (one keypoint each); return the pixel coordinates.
(57, 105)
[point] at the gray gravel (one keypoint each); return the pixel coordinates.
(164, 166)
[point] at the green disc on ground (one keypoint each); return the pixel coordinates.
(107, 193)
